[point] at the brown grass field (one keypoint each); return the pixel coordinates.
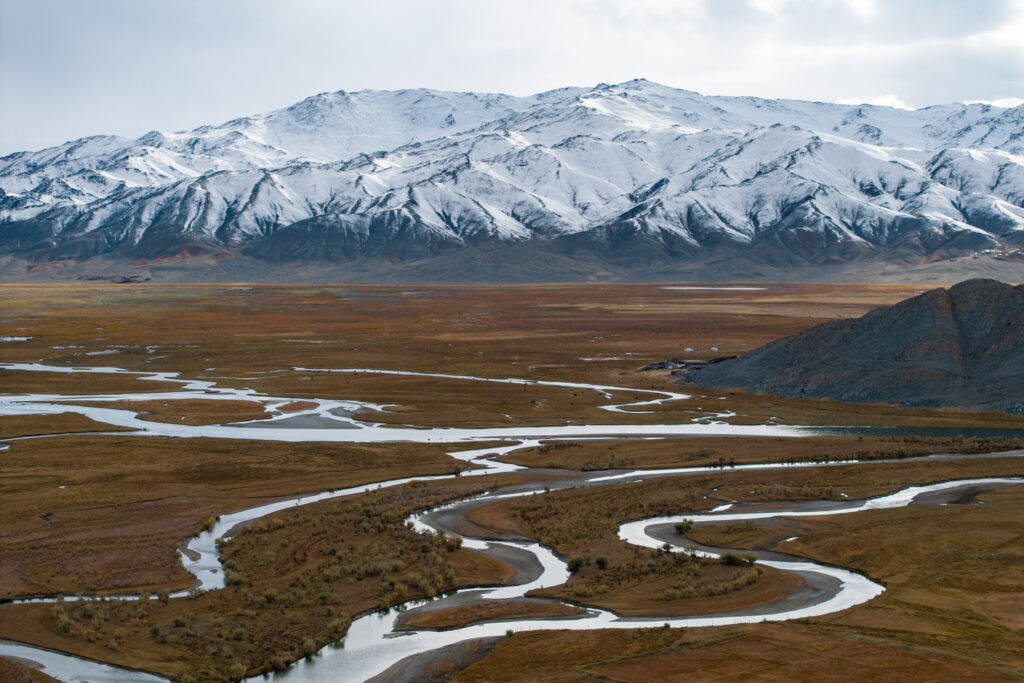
(951, 611)
(89, 513)
(188, 411)
(725, 451)
(584, 521)
(294, 582)
(12, 426)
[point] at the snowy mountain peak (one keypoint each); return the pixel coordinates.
(635, 170)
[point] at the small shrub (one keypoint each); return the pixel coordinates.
(731, 559)
(576, 563)
(340, 624)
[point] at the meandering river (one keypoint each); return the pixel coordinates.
(373, 644)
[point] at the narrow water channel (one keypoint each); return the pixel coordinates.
(373, 644)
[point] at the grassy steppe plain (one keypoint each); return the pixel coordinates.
(127, 502)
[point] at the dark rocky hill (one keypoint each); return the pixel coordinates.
(962, 346)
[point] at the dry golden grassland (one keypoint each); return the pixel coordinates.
(583, 522)
(765, 652)
(727, 451)
(539, 332)
(13, 426)
(951, 610)
(582, 333)
(294, 582)
(127, 502)
(188, 411)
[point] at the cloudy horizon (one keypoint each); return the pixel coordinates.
(70, 69)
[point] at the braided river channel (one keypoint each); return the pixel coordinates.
(377, 643)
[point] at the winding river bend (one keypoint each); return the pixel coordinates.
(374, 641)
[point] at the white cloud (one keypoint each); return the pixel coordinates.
(667, 8)
(769, 6)
(70, 68)
(865, 9)
(1006, 102)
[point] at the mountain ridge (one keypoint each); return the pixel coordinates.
(962, 346)
(635, 175)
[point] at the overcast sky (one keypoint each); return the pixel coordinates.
(70, 68)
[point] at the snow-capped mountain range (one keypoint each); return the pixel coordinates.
(635, 173)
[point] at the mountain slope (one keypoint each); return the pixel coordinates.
(962, 346)
(637, 174)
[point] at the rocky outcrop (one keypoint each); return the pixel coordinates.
(962, 346)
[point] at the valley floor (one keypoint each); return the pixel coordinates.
(98, 504)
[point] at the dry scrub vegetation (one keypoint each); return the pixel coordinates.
(728, 451)
(491, 610)
(295, 581)
(583, 523)
(951, 610)
(127, 502)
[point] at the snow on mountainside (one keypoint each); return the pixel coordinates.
(325, 127)
(636, 170)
